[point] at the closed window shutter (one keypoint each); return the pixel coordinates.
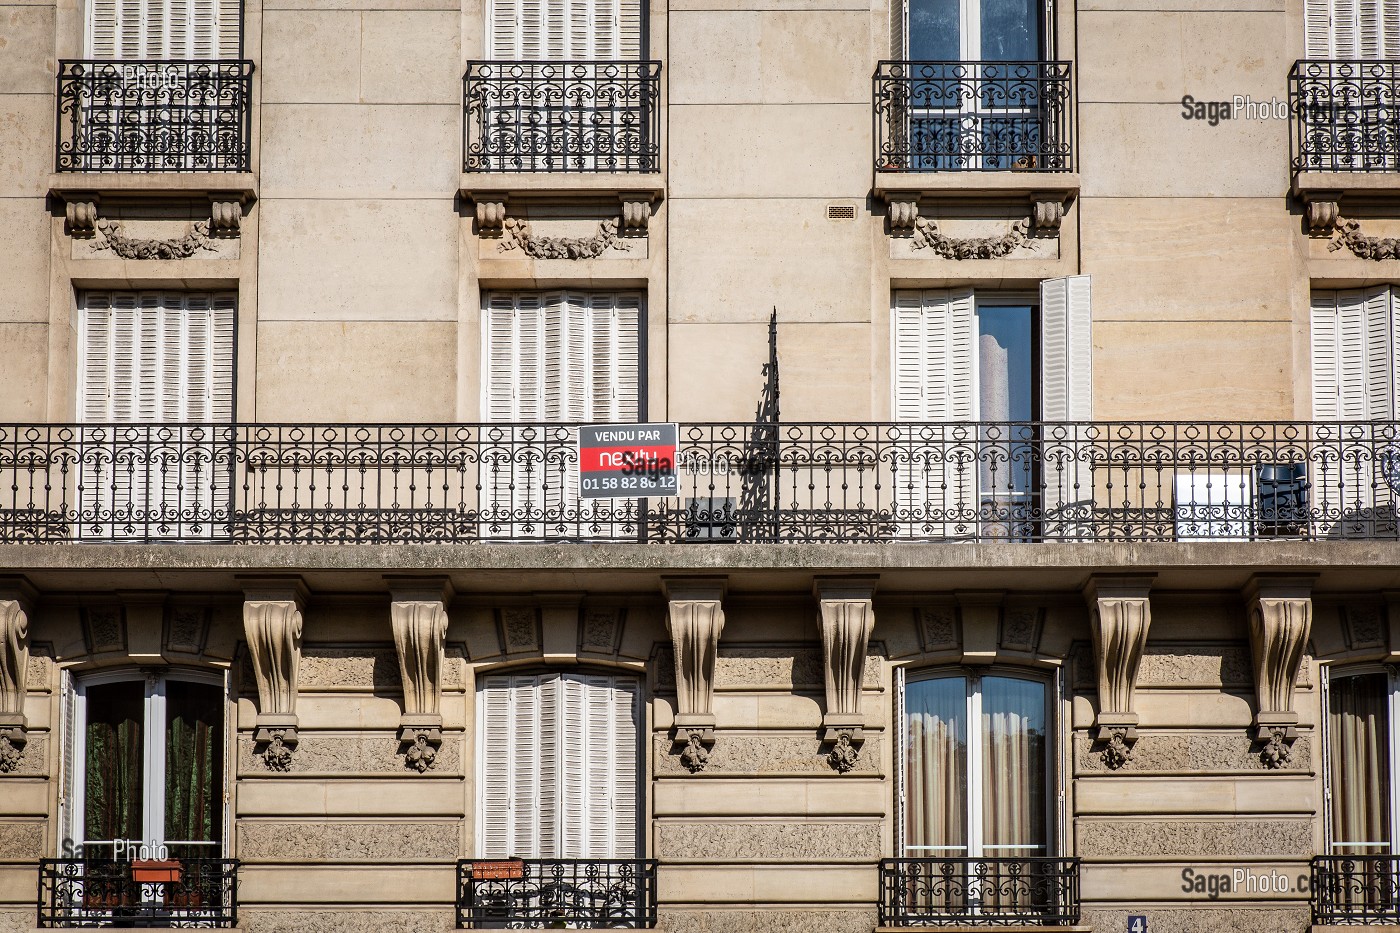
(1378, 29)
(576, 761)
(1354, 347)
(1066, 349)
(933, 355)
(899, 18)
(564, 30)
(135, 30)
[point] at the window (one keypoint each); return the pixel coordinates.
(974, 796)
(564, 30)
(156, 372)
(1354, 349)
(558, 771)
(1361, 808)
(146, 763)
(563, 358)
(962, 356)
(1351, 29)
(136, 30)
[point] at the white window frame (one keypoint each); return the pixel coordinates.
(1392, 676)
(153, 764)
(972, 679)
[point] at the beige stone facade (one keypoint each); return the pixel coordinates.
(1183, 659)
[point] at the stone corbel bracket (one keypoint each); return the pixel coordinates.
(1322, 209)
(1120, 614)
(272, 623)
(695, 618)
(490, 213)
(225, 218)
(418, 614)
(903, 213)
(847, 619)
(1280, 620)
(1047, 211)
(16, 603)
(635, 217)
(80, 216)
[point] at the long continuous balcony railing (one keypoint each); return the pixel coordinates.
(973, 116)
(538, 893)
(1017, 482)
(105, 892)
(916, 892)
(580, 116)
(154, 116)
(1346, 115)
(1355, 889)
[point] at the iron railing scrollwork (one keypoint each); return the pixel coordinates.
(578, 116)
(1346, 115)
(979, 892)
(540, 893)
(973, 116)
(154, 116)
(1355, 889)
(763, 482)
(178, 892)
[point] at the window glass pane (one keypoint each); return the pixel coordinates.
(1010, 30)
(1006, 367)
(935, 775)
(113, 775)
(1014, 767)
(1359, 741)
(194, 762)
(934, 31)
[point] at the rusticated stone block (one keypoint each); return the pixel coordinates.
(1214, 752)
(767, 666)
(21, 842)
(349, 842)
(323, 754)
(1202, 919)
(255, 920)
(1168, 664)
(761, 841)
(1246, 837)
(764, 754)
(786, 920)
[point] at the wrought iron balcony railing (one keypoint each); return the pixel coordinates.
(1346, 116)
(179, 892)
(539, 893)
(1017, 482)
(973, 117)
(1355, 889)
(585, 116)
(154, 116)
(918, 892)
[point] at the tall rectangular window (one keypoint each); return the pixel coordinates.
(1355, 343)
(558, 756)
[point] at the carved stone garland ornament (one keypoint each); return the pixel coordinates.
(516, 235)
(272, 625)
(926, 236)
(1348, 234)
(695, 618)
(196, 239)
(14, 677)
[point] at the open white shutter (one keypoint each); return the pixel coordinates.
(933, 355)
(1066, 349)
(899, 28)
(1379, 368)
(496, 785)
(1326, 350)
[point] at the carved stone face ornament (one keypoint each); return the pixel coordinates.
(11, 753)
(278, 754)
(1117, 752)
(844, 755)
(694, 756)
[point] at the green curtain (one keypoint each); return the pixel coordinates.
(115, 761)
(193, 766)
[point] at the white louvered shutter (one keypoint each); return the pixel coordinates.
(1354, 346)
(564, 30)
(1326, 346)
(497, 789)
(1347, 29)
(1380, 400)
(1066, 349)
(135, 30)
(576, 759)
(899, 29)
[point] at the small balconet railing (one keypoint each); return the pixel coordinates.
(979, 892)
(547, 893)
(154, 116)
(106, 892)
(578, 116)
(1346, 115)
(1355, 889)
(973, 117)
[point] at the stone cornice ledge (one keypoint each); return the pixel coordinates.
(1356, 184)
(235, 186)
(976, 184)
(493, 186)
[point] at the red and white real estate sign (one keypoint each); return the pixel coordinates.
(627, 461)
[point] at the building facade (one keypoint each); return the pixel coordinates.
(1031, 559)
